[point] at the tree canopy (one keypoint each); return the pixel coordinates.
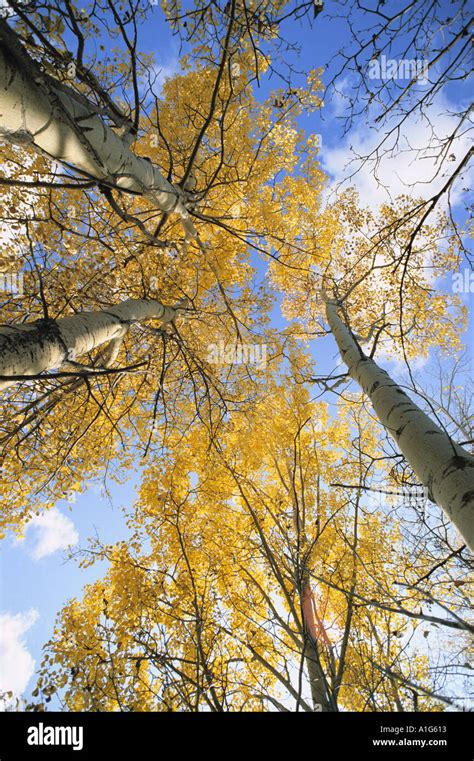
(185, 266)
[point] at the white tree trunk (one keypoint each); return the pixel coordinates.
(443, 467)
(59, 122)
(37, 347)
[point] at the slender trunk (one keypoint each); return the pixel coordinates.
(443, 467)
(37, 110)
(314, 631)
(322, 700)
(47, 344)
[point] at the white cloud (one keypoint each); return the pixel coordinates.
(410, 168)
(16, 664)
(53, 531)
(395, 365)
(161, 71)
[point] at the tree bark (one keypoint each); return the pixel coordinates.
(314, 632)
(443, 467)
(47, 344)
(37, 110)
(322, 700)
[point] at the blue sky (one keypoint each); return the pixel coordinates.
(35, 578)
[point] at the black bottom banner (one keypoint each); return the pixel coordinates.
(132, 735)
